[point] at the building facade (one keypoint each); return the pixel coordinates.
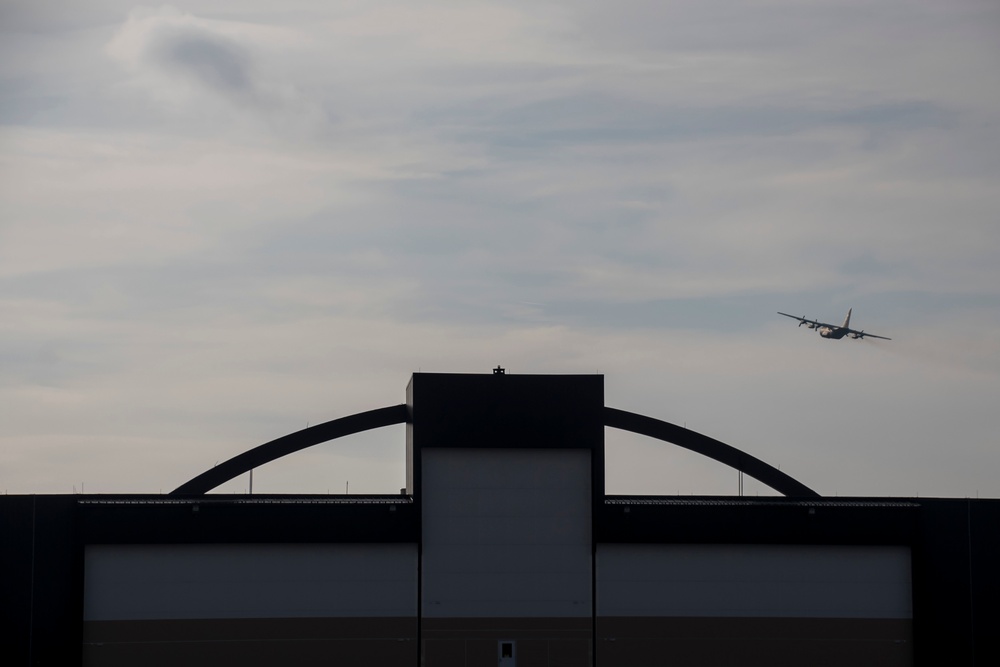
(503, 549)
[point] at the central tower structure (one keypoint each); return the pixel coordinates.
(505, 471)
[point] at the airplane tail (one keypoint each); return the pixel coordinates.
(847, 320)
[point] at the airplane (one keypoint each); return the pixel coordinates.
(832, 330)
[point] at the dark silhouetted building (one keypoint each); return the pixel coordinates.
(503, 550)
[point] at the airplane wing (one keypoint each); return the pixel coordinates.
(813, 324)
(861, 334)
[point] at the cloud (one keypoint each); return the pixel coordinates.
(169, 43)
(216, 62)
(210, 67)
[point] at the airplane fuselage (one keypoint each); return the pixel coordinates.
(835, 334)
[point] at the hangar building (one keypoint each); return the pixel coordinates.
(503, 550)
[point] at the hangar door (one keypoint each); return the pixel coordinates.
(738, 604)
(250, 604)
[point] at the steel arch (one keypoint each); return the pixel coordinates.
(288, 444)
(713, 449)
(397, 414)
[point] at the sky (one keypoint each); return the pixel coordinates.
(223, 222)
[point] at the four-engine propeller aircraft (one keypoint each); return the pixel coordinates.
(832, 330)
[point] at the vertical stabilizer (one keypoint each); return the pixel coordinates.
(847, 320)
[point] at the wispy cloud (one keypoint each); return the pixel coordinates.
(198, 65)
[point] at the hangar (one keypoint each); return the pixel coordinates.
(503, 549)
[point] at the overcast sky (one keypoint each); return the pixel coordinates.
(221, 222)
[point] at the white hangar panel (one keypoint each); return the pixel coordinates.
(753, 581)
(206, 581)
(506, 532)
